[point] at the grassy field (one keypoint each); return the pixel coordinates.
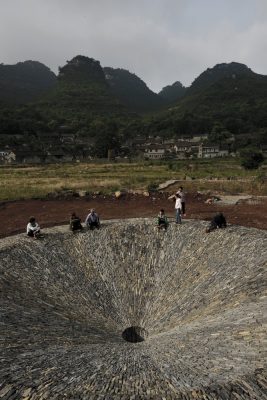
(20, 182)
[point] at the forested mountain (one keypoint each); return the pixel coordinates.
(81, 89)
(24, 81)
(131, 90)
(80, 103)
(95, 102)
(230, 94)
(172, 93)
(229, 71)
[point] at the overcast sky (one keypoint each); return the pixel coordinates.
(161, 41)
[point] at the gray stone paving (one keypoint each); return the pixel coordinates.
(200, 298)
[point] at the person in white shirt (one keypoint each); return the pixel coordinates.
(92, 220)
(33, 228)
(178, 209)
(182, 194)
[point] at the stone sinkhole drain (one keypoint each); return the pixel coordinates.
(70, 303)
(134, 334)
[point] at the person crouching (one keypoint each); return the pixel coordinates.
(217, 222)
(33, 228)
(92, 220)
(75, 223)
(162, 221)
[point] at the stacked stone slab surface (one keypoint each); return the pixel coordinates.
(200, 298)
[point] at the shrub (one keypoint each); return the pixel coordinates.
(251, 158)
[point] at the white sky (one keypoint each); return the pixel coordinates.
(161, 41)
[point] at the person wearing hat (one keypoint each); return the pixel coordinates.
(92, 220)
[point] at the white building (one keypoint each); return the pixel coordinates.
(155, 152)
(7, 157)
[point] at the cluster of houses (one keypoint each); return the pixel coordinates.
(67, 148)
(184, 148)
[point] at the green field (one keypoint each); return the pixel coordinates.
(20, 182)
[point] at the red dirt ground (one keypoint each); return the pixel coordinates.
(49, 212)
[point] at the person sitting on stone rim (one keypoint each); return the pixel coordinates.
(75, 223)
(162, 220)
(33, 228)
(92, 220)
(218, 221)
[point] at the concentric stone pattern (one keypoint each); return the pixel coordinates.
(200, 299)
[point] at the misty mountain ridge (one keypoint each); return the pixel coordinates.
(82, 69)
(24, 81)
(222, 87)
(112, 105)
(131, 90)
(27, 81)
(172, 93)
(210, 76)
(81, 88)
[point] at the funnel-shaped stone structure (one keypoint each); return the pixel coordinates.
(73, 308)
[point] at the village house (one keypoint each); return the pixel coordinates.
(199, 138)
(157, 151)
(7, 157)
(170, 142)
(182, 146)
(67, 138)
(208, 151)
(223, 151)
(182, 149)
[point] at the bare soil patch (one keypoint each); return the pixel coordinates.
(49, 212)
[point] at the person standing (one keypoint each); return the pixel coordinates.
(178, 209)
(182, 195)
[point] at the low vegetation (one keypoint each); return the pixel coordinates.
(21, 182)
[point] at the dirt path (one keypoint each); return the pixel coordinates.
(14, 215)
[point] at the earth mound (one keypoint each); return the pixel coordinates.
(126, 312)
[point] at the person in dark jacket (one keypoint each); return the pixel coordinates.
(218, 221)
(162, 221)
(75, 223)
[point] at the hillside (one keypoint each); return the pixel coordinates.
(172, 93)
(88, 101)
(210, 76)
(80, 106)
(81, 89)
(24, 82)
(131, 90)
(238, 100)
(230, 95)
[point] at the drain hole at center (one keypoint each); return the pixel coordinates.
(134, 334)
